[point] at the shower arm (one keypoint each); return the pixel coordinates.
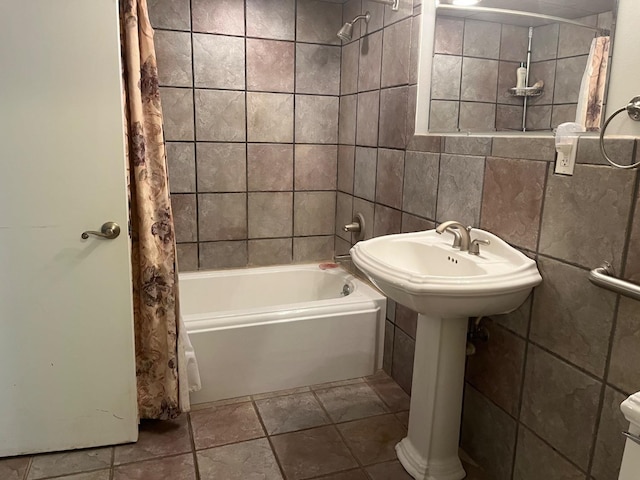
(394, 4)
(361, 17)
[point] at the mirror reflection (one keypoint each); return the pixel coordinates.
(496, 68)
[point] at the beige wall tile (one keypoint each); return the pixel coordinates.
(558, 401)
(270, 65)
(270, 167)
(275, 251)
(270, 214)
(317, 69)
(593, 204)
(512, 200)
(488, 435)
(316, 167)
(218, 16)
(316, 119)
(222, 167)
(535, 459)
(389, 177)
(218, 61)
(269, 117)
(314, 213)
(274, 20)
(215, 255)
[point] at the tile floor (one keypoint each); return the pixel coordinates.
(338, 431)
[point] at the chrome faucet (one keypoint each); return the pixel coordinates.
(462, 238)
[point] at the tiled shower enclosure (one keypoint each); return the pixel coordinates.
(277, 134)
(251, 97)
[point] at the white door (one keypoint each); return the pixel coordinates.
(67, 373)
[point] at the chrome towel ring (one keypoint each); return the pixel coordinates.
(633, 110)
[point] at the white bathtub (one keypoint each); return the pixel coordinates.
(264, 329)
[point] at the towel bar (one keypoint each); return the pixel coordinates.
(633, 110)
(603, 277)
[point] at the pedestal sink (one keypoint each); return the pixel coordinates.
(445, 286)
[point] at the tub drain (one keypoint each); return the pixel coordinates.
(346, 290)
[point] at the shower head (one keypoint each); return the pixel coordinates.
(346, 32)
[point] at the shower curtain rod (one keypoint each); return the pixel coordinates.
(520, 13)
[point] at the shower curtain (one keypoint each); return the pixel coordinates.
(591, 96)
(159, 343)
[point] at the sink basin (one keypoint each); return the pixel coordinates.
(422, 271)
(445, 286)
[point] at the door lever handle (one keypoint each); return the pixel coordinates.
(109, 230)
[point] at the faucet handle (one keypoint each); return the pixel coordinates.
(474, 248)
(457, 238)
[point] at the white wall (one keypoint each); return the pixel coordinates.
(625, 68)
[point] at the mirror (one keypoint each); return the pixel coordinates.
(478, 52)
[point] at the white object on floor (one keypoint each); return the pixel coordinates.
(188, 372)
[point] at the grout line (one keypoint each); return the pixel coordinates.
(250, 37)
(268, 437)
(28, 469)
(195, 137)
(554, 449)
(482, 191)
(630, 220)
(337, 430)
(235, 142)
(563, 261)
(545, 186)
(73, 474)
(384, 402)
(437, 193)
(495, 119)
(147, 459)
(111, 466)
(603, 388)
(523, 370)
(246, 136)
(243, 90)
(459, 101)
(192, 441)
(293, 134)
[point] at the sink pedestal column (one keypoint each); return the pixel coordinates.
(430, 449)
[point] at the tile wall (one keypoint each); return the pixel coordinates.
(474, 65)
(559, 57)
(377, 107)
(542, 395)
(544, 392)
(250, 93)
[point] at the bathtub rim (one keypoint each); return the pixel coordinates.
(363, 297)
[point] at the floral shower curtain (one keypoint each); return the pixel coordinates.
(591, 97)
(155, 286)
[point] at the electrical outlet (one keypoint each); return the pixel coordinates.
(566, 157)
